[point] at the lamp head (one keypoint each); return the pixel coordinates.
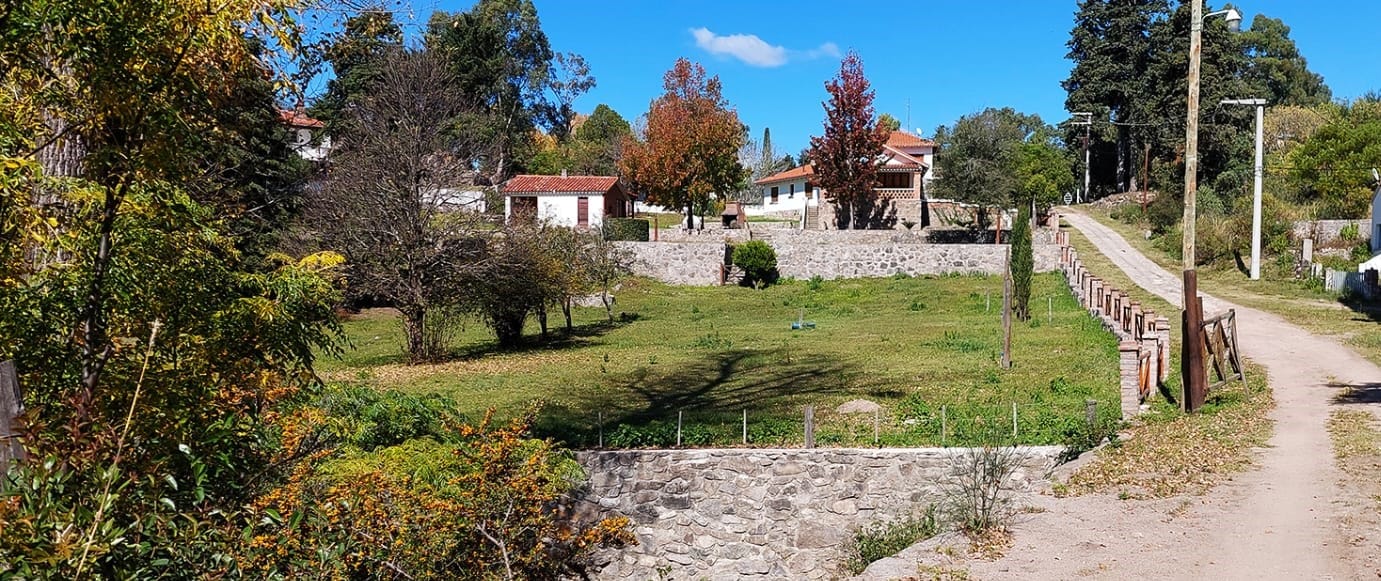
(1234, 19)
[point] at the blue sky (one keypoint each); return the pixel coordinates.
(946, 58)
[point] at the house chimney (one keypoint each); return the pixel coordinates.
(563, 172)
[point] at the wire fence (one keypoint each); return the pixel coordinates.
(1073, 423)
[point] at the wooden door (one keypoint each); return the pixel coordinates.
(582, 212)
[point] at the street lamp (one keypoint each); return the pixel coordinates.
(1192, 359)
(1260, 105)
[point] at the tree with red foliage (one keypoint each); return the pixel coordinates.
(845, 159)
(688, 150)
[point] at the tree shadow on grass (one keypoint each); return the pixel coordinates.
(558, 338)
(1369, 309)
(1356, 393)
(722, 383)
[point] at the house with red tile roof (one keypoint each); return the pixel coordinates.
(567, 200)
(309, 138)
(905, 169)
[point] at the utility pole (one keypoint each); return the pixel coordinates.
(1260, 105)
(1088, 124)
(1192, 358)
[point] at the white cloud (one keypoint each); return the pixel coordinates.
(745, 47)
(755, 51)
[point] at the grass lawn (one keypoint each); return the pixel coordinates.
(1354, 324)
(927, 349)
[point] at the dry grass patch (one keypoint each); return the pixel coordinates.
(1356, 441)
(1172, 453)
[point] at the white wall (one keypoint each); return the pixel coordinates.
(1376, 220)
(562, 210)
(786, 201)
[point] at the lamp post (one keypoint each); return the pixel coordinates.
(1260, 105)
(1192, 359)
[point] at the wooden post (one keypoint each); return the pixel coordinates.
(655, 230)
(678, 428)
(1014, 420)
(1007, 315)
(745, 426)
(1194, 375)
(876, 434)
(810, 426)
(11, 405)
(600, 423)
(1049, 310)
(944, 424)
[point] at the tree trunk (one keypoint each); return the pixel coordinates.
(542, 320)
(414, 325)
(1124, 151)
(96, 347)
(566, 310)
(608, 304)
(690, 216)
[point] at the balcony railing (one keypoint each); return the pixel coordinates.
(896, 193)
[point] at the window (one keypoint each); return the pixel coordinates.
(792, 194)
(775, 193)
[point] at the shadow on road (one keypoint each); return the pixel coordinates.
(1356, 393)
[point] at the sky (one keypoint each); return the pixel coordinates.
(929, 62)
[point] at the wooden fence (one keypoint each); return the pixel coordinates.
(1144, 347)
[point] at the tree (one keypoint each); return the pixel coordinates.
(1110, 45)
(982, 154)
(380, 206)
(598, 143)
(355, 56)
(1023, 262)
(502, 66)
(606, 264)
(888, 122)
(1276, 70)
(1044, 170)
(846, 156)
(1332, 168)
(689, 148)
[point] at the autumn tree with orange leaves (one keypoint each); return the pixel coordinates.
(845, 159)
(689, 149)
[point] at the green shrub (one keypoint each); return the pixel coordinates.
(758, 261)
(815, 283)
(884, 539)
(629, 229)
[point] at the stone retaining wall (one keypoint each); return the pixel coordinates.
(767, 513)
(1328, 232)
(831, 261)
(689, 263)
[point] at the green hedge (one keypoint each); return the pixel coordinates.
(630, 229)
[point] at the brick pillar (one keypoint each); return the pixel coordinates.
(1135, 321)
(1150, 343)
(1163, 348)
(1095, 302)
(1129, 366)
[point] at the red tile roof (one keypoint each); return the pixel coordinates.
(806, 170)
(530, 184)
(299, 118)
(905, 139)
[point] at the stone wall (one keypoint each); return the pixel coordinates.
(1326, 233)
(712, 234)
(688, 263)
(768, 513)
(830, 261)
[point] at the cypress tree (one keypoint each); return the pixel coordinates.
(1023, 263)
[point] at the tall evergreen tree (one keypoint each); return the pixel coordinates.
(1276, 70)
(354, 55)
(1110, 45)
(1023, 261)
(768, 165)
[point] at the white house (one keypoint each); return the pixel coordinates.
(788, 191)
(574, 201)
(904, 173)
(309, 141)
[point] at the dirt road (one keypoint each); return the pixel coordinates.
(1288, 518)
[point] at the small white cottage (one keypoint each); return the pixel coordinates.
(573, 201)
